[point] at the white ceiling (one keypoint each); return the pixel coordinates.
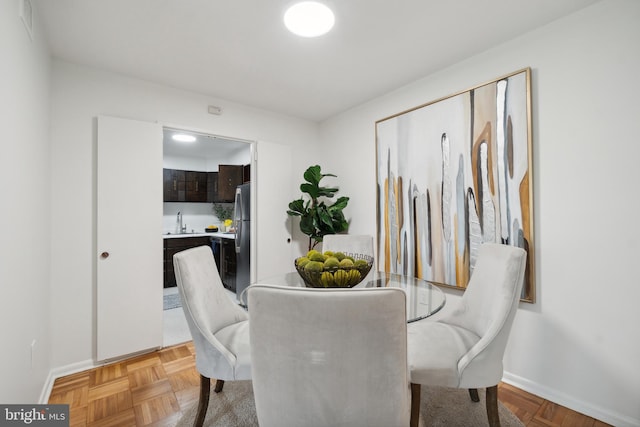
(239, 50)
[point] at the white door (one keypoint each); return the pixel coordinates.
(273, 194)
(129, 237)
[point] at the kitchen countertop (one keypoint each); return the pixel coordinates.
(215, 234)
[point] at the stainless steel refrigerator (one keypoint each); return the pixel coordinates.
(242, 223)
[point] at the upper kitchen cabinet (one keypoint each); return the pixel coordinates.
(229, 177)
(184, 186)
(202, 187)
(212, 187)
(246, 173)
(196, 186)
(174, 185)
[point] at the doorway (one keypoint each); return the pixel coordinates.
(202, 172)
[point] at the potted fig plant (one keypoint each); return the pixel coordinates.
(224, 212)
(317, 217)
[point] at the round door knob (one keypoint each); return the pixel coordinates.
(104, 255)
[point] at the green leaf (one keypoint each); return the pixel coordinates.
(307, 225)
(312, 190)
(326, 191)
(296, 208)
(313, 175)
(324, 216)
(340, 204)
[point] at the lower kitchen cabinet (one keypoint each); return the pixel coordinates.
(172, 247)
(228, 261)
(224, 252)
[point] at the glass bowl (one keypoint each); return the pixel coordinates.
(329, 275)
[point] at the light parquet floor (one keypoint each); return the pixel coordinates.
(154, 389)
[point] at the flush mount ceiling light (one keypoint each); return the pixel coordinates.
(309, 19)
(180, 137)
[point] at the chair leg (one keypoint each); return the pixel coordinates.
(492, 406)
(473, 392)
(219, 385)
(203, 404)
(415, 405)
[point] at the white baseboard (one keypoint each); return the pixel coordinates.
(63, 371)
(594, 411)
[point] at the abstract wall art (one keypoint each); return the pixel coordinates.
(453, 174)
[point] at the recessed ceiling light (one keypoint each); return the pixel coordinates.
(181, 137)
(309, 19)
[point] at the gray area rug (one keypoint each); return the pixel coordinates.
(171, 301)
(234, 407)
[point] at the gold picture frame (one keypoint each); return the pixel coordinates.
(455, 173)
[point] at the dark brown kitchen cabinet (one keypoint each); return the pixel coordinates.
(196, 186)
(246, 174)
(224, 252)
(228, 264)
(203, 187)
(184, 186)
(229, 177)
(174, 185)
(172, 247)
(212, 187)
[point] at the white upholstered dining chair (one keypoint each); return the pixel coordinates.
(465, 349)
(219, 328)
(351, 243)
(354, 243)
(329, 357)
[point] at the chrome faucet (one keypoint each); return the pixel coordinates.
(179, 228)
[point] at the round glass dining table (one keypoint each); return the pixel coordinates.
(424, 299)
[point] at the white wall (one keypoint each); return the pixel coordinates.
(80, 94)
(578, 345)
(25, 208)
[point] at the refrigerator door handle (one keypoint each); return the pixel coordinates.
(238, 236)
(238, 219)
